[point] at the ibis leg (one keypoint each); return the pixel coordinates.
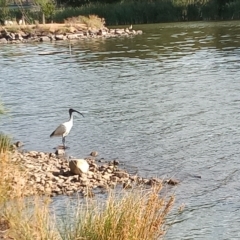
(63, 141)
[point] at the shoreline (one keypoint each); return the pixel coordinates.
(49, 33)
(50, 174)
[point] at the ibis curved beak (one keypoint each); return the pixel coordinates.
(77, 112)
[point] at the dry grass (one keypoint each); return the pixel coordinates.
(78, 23)
(135, 215)
(92, 21)
(13, 178)
(45, 29)
(21, 218)
(30, 219)
(5, 143)
(13, 28)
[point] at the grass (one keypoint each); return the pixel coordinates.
(128, 12)
(5, 143)
(135, 215)
(92, 21)
(30, 219)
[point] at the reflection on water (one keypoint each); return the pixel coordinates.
(166, 103)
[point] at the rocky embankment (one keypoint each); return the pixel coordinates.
(50, 174)
(43, 35)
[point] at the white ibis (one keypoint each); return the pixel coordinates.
(64, 128)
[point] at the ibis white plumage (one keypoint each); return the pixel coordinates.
(64, 128)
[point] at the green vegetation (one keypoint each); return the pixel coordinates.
(47, 8)
(146, 11)
(117, 12)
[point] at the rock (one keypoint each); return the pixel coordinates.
(45, 39)
(3, 40)
(115, 162)
(72, 29)
(119, 31)
(18, 144)
(60, 37)
(114, 179)
(18, 37)
(171, 181)
(48, 190)
(60, 152)
(94, 154)
(53, 155)
(102, 32)
(121, 174)
(38, 179)
(74, 36)
(106, 177)
(32, 153)
(79, 166)
(50, 174)
(127, 185)
(41, 154)
(139, 32)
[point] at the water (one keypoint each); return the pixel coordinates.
(165, 103)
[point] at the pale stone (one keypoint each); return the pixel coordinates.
(106, 177)
(41, 154)
(60, 37)
(60, 152)
(74, 36)
(45, 39)
(78, 166)
(33, 153)
(114, 178)
(48, 190)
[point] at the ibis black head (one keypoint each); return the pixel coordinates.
(72, 110)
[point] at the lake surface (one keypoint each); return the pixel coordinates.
(166, 103)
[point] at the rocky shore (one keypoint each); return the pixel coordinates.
(25, 35)
(50, 174)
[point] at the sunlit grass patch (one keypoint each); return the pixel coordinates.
(30, 219)
(5, 143)
(92, 21)
(134, 215)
